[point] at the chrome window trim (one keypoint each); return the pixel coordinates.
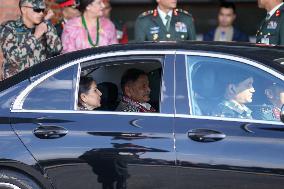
(95, 112)
(241, 60)
(229, 119)
(18, 103)
(77, 87)
(234, 58)
(8, 185)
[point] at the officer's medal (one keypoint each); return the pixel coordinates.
(155, 36)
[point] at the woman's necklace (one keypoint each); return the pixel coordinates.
(89, 36)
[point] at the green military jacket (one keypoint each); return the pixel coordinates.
(271, 31)
(21, 49)
(149, 27)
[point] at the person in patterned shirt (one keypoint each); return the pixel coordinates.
(136, 92)
(29, 39)
(271, 110)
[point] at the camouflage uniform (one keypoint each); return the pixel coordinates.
(20, 47)
(233, 110)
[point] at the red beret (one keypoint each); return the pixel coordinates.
(66, 3)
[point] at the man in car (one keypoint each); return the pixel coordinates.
(271, 30)
(239, 91)
(225, 31)
(165, 23)
(275, 99)
(30, 39)
(136, 92)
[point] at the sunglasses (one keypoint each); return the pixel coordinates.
(37, 10)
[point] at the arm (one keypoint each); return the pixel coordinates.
(281, 32)
(69, 38)
(113, 34)
(139, 34)
(191, 29)
(54, 45)
(17, 53)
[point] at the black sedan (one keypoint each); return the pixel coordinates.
(47, 142)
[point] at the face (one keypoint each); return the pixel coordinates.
(96, 8)
(226, 17)
(139, 90)
(167, 4)
(262, 3)
(276, 94)
(107, 9)
(30, 15)
(92, 97)
(244, 91)
(70, 12)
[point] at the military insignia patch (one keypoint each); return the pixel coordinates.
(272, 25)
(278, 13)
(180, 27)
(154, 30)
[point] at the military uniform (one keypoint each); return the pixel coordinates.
(268, 112)
(20, 47)
(149, 27)
(271, 31)
(233, 110)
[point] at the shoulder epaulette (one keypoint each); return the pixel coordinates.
(146, 13)
(182, 11)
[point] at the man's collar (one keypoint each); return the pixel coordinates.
(163, 15)
(275, 9)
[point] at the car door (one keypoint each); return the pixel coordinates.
(96, 149)
(218, 151)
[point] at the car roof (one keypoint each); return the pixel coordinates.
(270, 55)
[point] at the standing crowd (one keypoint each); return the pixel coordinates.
(86, 23)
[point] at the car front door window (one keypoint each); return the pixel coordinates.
(231, 89)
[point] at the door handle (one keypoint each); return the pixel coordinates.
(205, 135)
(50, 132)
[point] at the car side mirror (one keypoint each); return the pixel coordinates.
(282, 113)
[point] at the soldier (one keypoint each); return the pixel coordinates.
(165, 23)
(271, 110)
(29, 39)
(69, 11)
(239, 91)
(271, 30)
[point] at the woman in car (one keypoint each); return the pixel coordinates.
(89, 96)
(88, 30)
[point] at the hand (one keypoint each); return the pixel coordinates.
(40, 30)
(49, 15)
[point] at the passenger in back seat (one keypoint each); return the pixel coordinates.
(136, 92)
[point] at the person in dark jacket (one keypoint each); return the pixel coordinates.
(225, 31)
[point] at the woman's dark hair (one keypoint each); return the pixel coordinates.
(131, 75)
(85, 85)
(83, 5)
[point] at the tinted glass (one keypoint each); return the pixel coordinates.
(54, 93)
(225, 88)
